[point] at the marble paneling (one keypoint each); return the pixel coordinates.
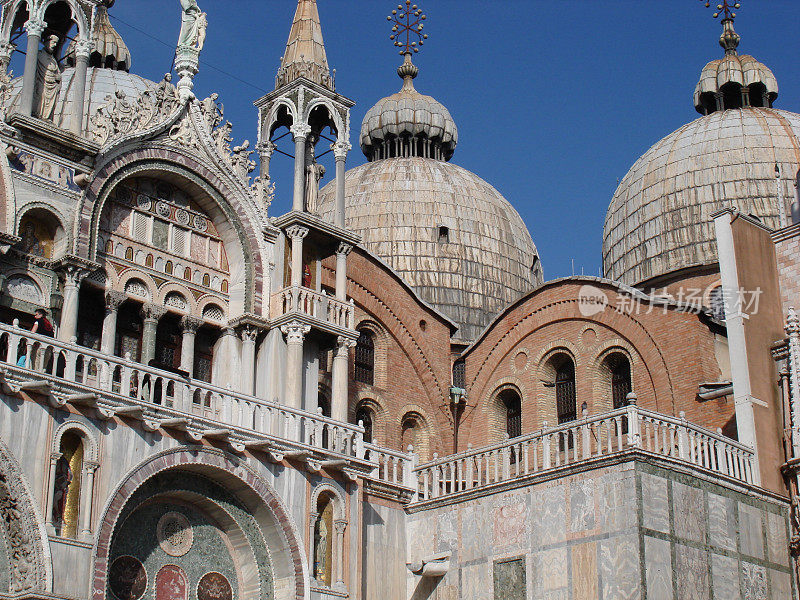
(475, 582)
(751, 531)
(447, 531)
(658, 568)
(754, 582)
(548, 516)
(692, 566)
(655, 503)
(725, 577)
(510, 524)
(474, 532)
(550, 573)
(616, 499)
(780, 584)
(690, 512)
(509, 579)
(581, 506)
(619, 567)
(722, 522)
(777, 542)
(584, 571)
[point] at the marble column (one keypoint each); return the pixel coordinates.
(295, 333)
(189, 326)
(341, 271)
(35, 29)
(340, 377)
(265, 152)
(340, 150)
(87, 493)
(338, 555)
(83, 50)
(68, 329)
(109, 340)
(300, 133)
(151, 314)
(249, 336)
(48, 517)
(297, 233)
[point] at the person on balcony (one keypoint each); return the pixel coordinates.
(41, 324)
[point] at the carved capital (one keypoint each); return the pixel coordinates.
(114, 300)
(300, 130)
(35, 27)
(73, 275)
(340, 526)
(266, 149)
(190, 324)
(295, 332)
(340, 149)
(153, 312)
(83, 49)
(249, 333)
(6, 50)
(297, 231)
(343, 345)
(344, 248)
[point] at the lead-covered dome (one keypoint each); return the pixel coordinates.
(659, 220)
(448, 233)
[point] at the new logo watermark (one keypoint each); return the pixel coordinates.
(591, 300)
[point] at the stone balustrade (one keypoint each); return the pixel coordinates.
(323, 308)
(621, 430)
(392, 466)
(124, 387)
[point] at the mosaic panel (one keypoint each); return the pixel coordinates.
(214, 586)
(754, 582)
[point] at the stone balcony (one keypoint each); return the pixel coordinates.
(317, 309)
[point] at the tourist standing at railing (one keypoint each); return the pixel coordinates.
(41, 324)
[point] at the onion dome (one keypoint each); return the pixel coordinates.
(110, 50)
(658, 227)
(735, 80)
(408, 124)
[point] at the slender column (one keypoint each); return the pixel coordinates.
(338, 556)
(87, 489)
(113, 301)
(48, 517)
(793, 332)
(341, 271)
(189, 325)
(249, 335)
(340, 376)
(312, 525)
(82, 52)
(265, 152)
(297, 233)
(295, 333)
(300, 133)
(340, 150)
(73, 276)
(35, 28)
(151, 315)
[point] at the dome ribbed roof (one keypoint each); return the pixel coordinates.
(448, 233)
(408, 114)
(659, 220)
(743, 70)
(110, 50)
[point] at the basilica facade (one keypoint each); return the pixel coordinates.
(378, 394)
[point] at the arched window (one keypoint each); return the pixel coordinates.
(67, 486)
(512, 405)
(460, 374)
(621, 386)
(566, 406)
(364, 364)
(364, 416)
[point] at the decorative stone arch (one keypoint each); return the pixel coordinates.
(208, 301)
(61, 237)
(339, 505)
(90, 443)
(601, 397)
(224, 205)
(23, 529)
(418, 414)
(374, 404)
(170, 287)
(35, 278)
(78, 16)
(381, 339)
(334, 115)
(339, 522)
(495, 409)
(272, 117)
(289, 567)
(126, 276)
(546, 372)
(10, 14)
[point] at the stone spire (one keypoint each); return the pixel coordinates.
(305, 51)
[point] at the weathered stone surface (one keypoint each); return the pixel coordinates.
(655, 503)
(510, 580)
(658, 568)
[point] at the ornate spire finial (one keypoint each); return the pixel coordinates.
(729, 39)
(407, 27)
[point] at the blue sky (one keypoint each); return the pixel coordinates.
(554, 100)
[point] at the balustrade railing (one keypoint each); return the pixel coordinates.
(392, 466)
(319, 305)
(153, 388)
(592, 437)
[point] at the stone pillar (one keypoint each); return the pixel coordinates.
(73, 276)
(297, 233)
(48, 517)
(87, 493)
(339, 527)
(295, 333)
(312, 526)
(340, 377)
(265, 152)
(35, 28)
(340, 150)
(82, 52)
(151, 315)
(109, 340)
(341, 271)
(793, 395)
(300, 133)
(189, 326)
(249, 335)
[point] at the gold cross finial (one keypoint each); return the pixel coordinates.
(407, 27)
(725, 8)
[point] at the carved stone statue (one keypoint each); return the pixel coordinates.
(193, 26)
(240, 159)
(314, 174)
(48, 80)
(321, 551)
(166, 96)
(212, 111)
